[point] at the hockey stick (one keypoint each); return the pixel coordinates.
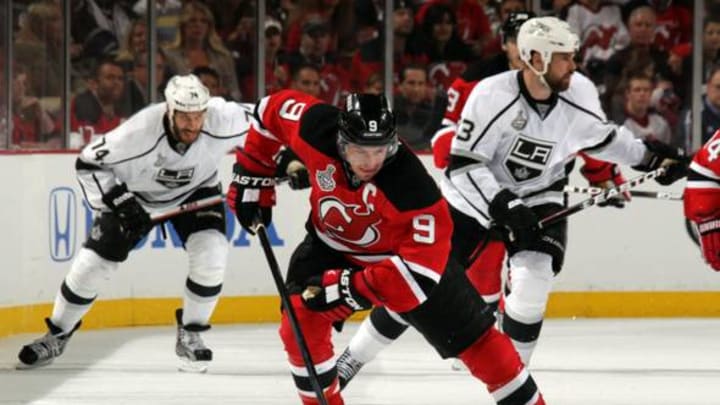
(598, 198)
(199, 204)
(658, 195)
(292, 317)
(187, 207)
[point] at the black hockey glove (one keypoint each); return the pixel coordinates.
(289, 165)
(337, 293)
(251, 197)
(511, 213)
(660, 154)
(134, 221)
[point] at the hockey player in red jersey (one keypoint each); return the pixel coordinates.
(487, 261)
(702, 199)
(379, 233)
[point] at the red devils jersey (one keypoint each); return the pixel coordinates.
(702, 192)
(397, 225)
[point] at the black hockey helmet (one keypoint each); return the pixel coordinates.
(511, 26)
(368, 121)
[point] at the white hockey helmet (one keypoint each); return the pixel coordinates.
(545, 35)
(186, 93)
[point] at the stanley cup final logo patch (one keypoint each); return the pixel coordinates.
(325, 178)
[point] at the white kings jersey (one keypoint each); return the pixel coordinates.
(142, 154)
(505, 140)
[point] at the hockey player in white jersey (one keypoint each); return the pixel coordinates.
(508, 167)
(165, 155)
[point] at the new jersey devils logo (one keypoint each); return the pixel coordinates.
(351, 223)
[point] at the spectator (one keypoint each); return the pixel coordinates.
(136, 95)
(97, 28)
(134, 43)
(98, 109)
(504, 9)
(167, 18)
(639, 118)
(414, 110)
(471, 23)
(602, 32)
(710, 112)
(639, 54)
(711, 43)
(197, 44)
(276, 73)
(370, 57)
(446, 52)
(211, 79)
(39, 45)
(336, 14)
(373, 84)
(315, 49)
(32, 126)
(306, 78)
(673, 25)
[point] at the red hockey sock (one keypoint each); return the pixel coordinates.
(493, 360)
(485, 273)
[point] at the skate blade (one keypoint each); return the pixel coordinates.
(458, 365)
(22, 366)
(189, 366)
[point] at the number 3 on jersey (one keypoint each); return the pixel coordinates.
(465, 130)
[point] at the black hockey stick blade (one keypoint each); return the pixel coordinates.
(292, 317)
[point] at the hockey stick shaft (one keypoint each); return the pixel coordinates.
(658, 195)
(292, 317)
(187, 207)
(198, 204)
(595, 199)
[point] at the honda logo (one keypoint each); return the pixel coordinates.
(62, 223)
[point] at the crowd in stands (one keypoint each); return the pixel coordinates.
(637, 52)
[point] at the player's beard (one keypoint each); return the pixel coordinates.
(560, 84)
(185, 136)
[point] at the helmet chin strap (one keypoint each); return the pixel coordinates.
(540, 75)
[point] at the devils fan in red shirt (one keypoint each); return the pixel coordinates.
(378, 235)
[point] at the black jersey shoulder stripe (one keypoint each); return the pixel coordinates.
(83, 165)
(406, 183)
(605, 142)
(243, 133)
(695, 176)
(85, 196)
(557, 186)
(495, 118)
(160, 138)
(475, 207)
(318, 128)
(457, 162)
(585, 110)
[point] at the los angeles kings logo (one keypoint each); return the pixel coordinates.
(527, 158)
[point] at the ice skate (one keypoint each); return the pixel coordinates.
(190, 348)
(347, 368)
(44, 350)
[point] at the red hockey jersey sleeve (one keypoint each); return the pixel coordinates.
(457, 96)
(406, 279)
(276, 123)
(702, 192)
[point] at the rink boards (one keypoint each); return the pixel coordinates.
(634, 262)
